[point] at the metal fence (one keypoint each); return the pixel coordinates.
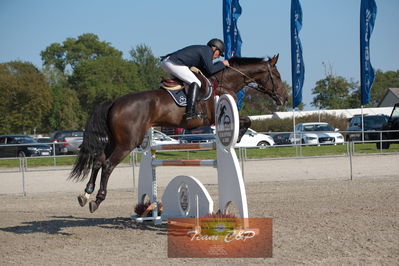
(351, 149)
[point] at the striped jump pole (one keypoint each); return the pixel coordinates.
(185, 146)
(184, 163)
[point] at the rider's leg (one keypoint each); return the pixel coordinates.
(185, 74)
(191, 99)
(179, 71)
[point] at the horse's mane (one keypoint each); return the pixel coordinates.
(245, 60)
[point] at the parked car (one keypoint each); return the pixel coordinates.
(372, 124)
(22, 145)
(391, 124)
(197, 135)
(281, 139)
(252, 138)
(172, 131)
(315, 134)
(68, 141)
(46, 140)
(161, 138)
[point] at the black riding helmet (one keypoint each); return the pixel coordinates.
(218, 44)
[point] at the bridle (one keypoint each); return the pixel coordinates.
(258, 86)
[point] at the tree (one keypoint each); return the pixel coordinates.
(148, 66)
(74, 51)
(65, 112)
(25, 98)
(104, 78)
(334, 92)
(382, 82)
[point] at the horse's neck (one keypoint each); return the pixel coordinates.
(247, 71)
(237, 77)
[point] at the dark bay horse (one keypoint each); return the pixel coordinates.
(114, 129)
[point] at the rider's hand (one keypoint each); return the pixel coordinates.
(226, 63)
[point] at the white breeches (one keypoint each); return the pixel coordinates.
(179, 71)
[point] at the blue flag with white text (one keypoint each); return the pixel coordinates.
(232, 39)
(297, 64)
(368, 13)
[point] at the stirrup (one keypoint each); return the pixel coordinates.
(190, 116)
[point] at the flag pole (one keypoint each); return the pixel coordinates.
(362, 124)
(295, 139)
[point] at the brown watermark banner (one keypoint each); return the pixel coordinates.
(220, 238)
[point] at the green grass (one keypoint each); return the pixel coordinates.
(278, 152)
(371, 148)
(38, 161)
(274, 152)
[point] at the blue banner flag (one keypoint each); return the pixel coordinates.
(297, 65)
(232, 39)
(368, 13)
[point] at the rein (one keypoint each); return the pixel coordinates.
(242, 73)
(259, 87)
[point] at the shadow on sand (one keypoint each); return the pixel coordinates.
(57, 224)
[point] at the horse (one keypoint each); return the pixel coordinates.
(116, 127)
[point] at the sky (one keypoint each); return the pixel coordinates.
(329, 35)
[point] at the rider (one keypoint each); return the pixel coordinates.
(200, 56)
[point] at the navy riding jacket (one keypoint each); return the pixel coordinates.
(199, 56)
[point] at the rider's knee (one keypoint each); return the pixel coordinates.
(192, 84)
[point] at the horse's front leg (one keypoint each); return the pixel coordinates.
(245, 123)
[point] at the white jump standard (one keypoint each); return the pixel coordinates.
(186, 196)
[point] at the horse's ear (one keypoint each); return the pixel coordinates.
(273, 61)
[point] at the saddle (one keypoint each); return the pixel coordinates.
(171, 83)
(178, 89)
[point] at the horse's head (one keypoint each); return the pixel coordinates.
(262, 72)
(269, 81)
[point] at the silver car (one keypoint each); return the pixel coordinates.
(316, 133)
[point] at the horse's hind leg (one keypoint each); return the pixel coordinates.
(108, 166)
(83, 198)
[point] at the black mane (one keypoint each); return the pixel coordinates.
(245, 60)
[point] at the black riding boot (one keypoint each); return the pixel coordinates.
(191, 99)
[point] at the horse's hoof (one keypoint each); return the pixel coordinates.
(82, 200)
(93, 206)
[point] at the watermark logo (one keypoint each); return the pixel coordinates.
(220, 238)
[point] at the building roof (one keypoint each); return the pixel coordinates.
(390, 98)
(347, 113)
(395, 91)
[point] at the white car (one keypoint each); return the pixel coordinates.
(160, 138)
(252, 138)
(315, 134)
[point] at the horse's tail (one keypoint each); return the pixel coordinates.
(96, 137)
